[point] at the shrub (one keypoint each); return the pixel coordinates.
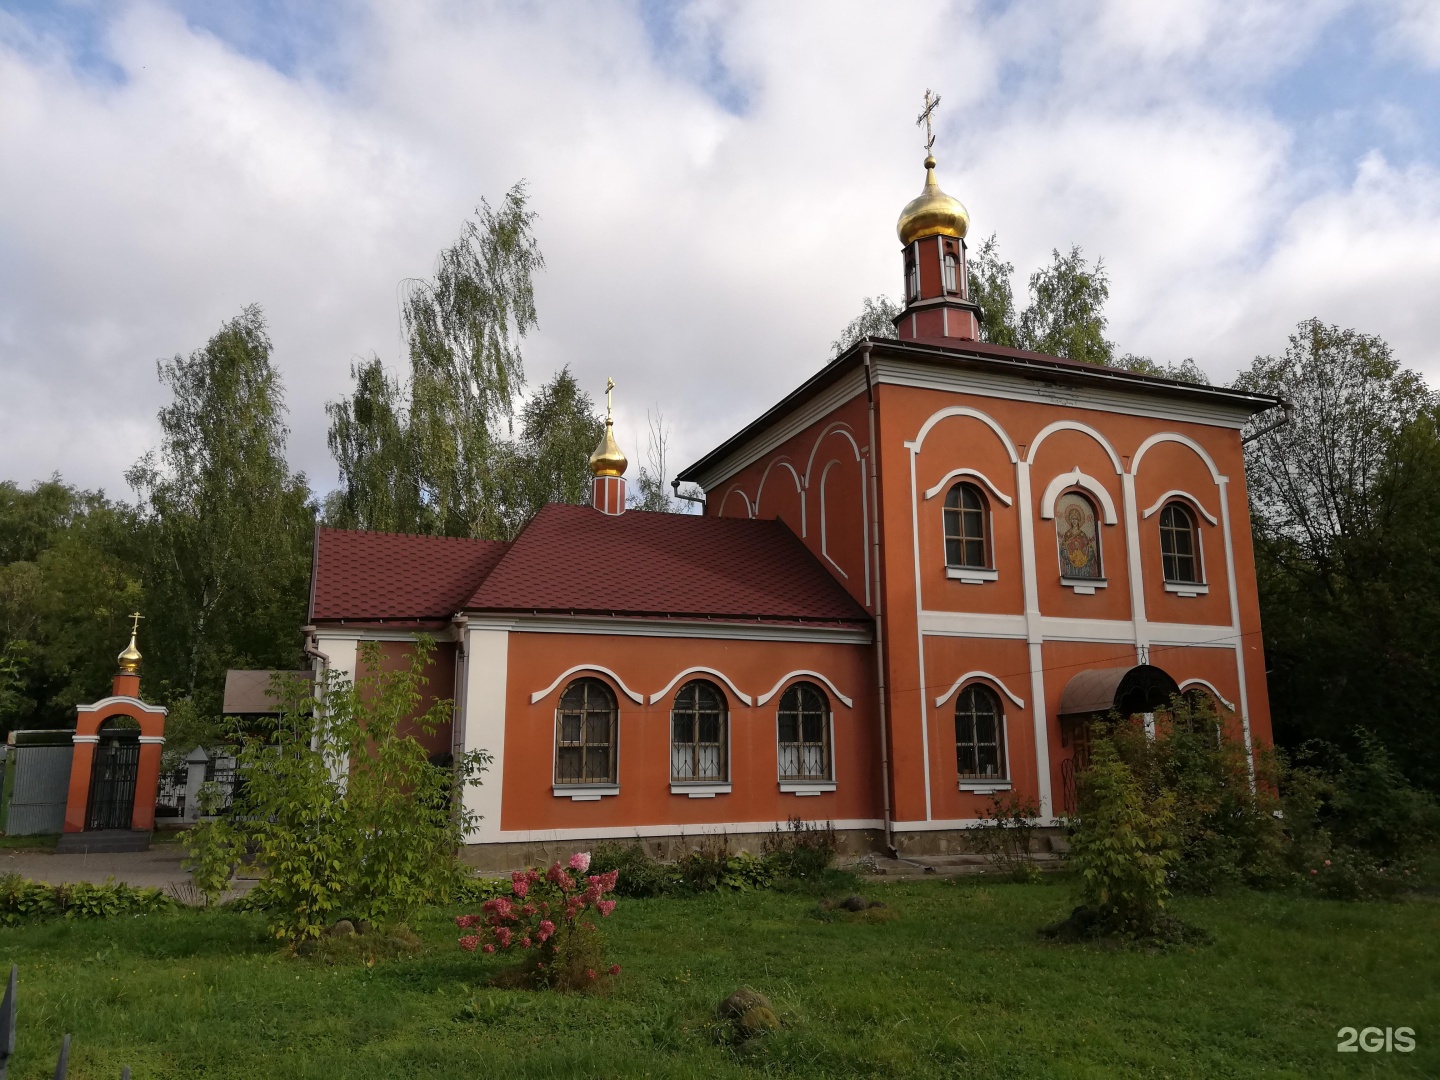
(22, 900)
(1006, 833)
(801, 849)
(1124, 841)
(549, 917)
(344, 814)
(639, 875)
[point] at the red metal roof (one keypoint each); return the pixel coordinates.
(375, 576)
(576, 560)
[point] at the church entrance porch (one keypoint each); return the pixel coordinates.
(1142, 690)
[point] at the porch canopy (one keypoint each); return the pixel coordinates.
(1143, 688)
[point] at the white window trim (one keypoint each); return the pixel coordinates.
(1187, 588)
(969, 576)
(539, 695)
(1077, 479)
(982, 788)
(700, 789)
(944, 484)
(584, 792)
(848, 702)
(806, 787)
(1176, 493)
(1084, 586)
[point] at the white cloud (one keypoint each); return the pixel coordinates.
(703, 258)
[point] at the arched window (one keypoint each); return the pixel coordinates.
(979, 734)
(952, 275)
(1179, 545)
(585, 730)
(912, 277)
(1078, 535)
(967, 528)
(804, 729)
(698, 733)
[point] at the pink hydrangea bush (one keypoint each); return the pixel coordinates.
(550, 918)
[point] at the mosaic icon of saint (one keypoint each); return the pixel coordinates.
(1075, 524)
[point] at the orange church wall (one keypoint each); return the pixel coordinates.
(646, 665)
(440, 673)
(815, 482)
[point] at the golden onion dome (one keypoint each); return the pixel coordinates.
(129, 659)
(608, 459)
(932, 212)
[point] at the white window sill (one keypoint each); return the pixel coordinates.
(806, 787)
(584, 792)
(1084, 586)
(984, 787)
(1186, 589)
(699, 789)
(970, 576)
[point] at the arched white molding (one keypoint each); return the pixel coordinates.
(963, 410)
(763, 698)
(639, 699)
(1074, 425)
(834, 429)
(1183, 440)
(1176, 493)
(705, 671)
(799, 488)
(749, 510)
(974, 473)
(963, 679)
(105, 703)
(1080, 480)
(1208, 686)
(825, 525)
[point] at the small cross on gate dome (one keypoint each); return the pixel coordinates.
(129, 658)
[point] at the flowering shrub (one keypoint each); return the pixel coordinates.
(550, 917)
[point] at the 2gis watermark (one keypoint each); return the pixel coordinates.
(1374, 1040)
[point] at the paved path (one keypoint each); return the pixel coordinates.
(156, 868)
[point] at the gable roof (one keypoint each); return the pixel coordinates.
(396, 577)
(575, 560)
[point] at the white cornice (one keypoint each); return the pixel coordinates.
(1031, 387)
(620, 832)
(105, 703)
(671, 628)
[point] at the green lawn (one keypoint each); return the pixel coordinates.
(957, 986)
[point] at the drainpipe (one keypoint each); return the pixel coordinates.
(462, 677)
(879, 617)
(1289, 415)
(675, 487)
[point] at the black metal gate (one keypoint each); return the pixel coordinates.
(112, 783)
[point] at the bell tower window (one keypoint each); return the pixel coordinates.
(912, 277)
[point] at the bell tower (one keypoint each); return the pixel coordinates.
(607, 466)
(932, 230)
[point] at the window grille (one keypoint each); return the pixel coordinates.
(697, 733)
(585, 724)
(966, 534)
(1179, 546)
(979, 734)
(804, 722)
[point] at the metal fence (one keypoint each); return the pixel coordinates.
(39, 789)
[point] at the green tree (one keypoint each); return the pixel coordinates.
(990, 280)
(226, 528)
(1345, 505)
(369, 438)
(1066, 315)
(876, 319)
(464, 328)
(559, 428)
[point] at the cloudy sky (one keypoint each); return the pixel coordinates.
(717, 184)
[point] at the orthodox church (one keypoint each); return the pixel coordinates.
(915, 579)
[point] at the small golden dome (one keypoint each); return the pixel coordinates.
(932, 212)
(130, 659)
(608, 459)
